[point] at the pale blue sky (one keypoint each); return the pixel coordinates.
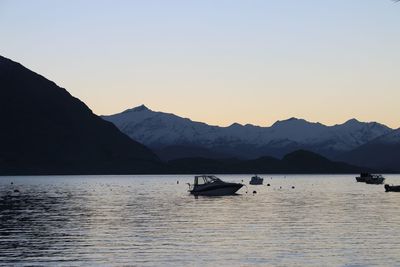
(216, 61)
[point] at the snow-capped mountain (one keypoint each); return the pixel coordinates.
(160, 130)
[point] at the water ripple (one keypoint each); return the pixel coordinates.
(152, 221)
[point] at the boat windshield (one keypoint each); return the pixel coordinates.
(205, 179)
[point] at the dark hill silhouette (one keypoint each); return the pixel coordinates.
(382, 152)
(187, 151)
(44, 130)
(300, 161)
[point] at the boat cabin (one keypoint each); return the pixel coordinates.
(369, 175)
(205, 179)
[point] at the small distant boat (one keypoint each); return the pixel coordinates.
(209, 185)
(392, 188)
(256, 180)
(363, 176)
(370, 178)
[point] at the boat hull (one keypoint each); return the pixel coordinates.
(360, 179)
(217, 190)
(375, 181)
(370, 178)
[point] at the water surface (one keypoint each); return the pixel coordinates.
(153, 221)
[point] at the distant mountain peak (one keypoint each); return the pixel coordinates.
(293, 119)
(352, 121)
(290, 121)
(235, 124)
(138, 109)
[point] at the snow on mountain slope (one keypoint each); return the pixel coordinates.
(392, 138)
(354, 133)
(158, 130)
(298, 130)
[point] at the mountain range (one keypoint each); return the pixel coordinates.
(172, 137)
(45, 130)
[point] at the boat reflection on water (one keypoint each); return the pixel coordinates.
(209, 185)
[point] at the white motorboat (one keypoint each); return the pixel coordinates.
(209, 185)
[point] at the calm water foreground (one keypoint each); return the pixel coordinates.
(153, 221)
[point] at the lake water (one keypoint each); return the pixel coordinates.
(153, 221)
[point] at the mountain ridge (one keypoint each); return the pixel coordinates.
(297, 162)
(160, 130)
(48, 131)
(143, 107)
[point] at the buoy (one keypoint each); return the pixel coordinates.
(292, 187)
(268, 185)
(12, 182)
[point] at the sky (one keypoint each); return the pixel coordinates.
(219, 61)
